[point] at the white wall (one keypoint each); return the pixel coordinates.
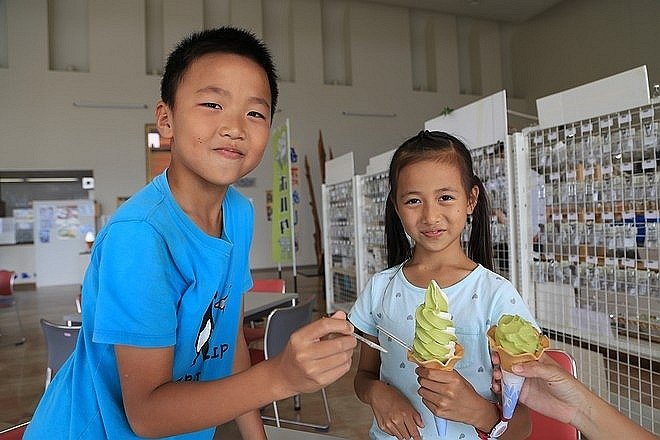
(580, 41)
(41, 129)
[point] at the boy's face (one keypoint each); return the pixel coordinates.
(221, 119)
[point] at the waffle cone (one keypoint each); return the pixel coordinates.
(435, 364)
(507, 360)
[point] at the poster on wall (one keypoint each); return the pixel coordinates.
(282, 213)
(67, 222)
(60, 248)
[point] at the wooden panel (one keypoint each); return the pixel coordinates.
(157, 161)
(158, 151)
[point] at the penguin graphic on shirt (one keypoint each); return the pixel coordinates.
(207, 326)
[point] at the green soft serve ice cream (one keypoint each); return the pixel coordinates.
(435, 335)
(516, 335)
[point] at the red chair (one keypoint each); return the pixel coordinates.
(14, 433)
(270, 285)
(265, 285)
(545, 428)
(7, 299)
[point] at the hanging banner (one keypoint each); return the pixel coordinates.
(282, 216)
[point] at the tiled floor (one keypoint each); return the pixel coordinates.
(22, 367)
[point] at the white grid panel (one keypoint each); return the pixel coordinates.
(339, 245)
(595, 274)
(491, 165)
(372, 194)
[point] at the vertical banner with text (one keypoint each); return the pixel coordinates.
(283, 237)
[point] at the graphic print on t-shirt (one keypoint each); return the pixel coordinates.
(207, 326)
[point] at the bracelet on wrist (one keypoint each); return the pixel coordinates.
(498, 429)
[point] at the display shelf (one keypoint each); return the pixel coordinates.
(339, 245)
(372, 190)
(595, 269)
(491, 164)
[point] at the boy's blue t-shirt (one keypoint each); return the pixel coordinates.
(154, 280)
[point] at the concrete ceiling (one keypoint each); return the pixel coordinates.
(516, 11)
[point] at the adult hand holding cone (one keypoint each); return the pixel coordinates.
(516, 341)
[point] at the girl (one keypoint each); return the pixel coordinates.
(433, 190)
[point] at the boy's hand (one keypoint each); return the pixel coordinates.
(395, 414)
(310, 361)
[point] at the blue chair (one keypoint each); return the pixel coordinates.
(281, 323)
(269, 285)
(60, 341)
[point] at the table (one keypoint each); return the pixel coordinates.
(259, 304)
(275, 433)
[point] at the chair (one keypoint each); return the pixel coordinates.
(270, 285)
(281, 323)
(7, 299)
(545, 428)
(14, 433)
(60, 342)
(275, 285)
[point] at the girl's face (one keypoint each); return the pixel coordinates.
(433, 205)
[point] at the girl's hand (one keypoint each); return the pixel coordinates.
(395, 414)
(448, 395)
(311, 360)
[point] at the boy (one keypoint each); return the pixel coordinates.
(162, 351)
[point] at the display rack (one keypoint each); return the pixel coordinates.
(482, 126)
(340, 245)
(595, 265)
(491, 164)
(372, 190)
(339, 232)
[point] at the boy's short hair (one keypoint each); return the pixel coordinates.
(227, 40)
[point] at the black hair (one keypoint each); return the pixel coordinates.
(227, 40)
(437, 145)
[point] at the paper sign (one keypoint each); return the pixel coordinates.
(624, 119)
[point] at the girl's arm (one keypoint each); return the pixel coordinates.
(249, 424)
(447, 394)
(394, 413)
(156, 406)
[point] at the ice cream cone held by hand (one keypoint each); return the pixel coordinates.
(516, 341)
(435, 345)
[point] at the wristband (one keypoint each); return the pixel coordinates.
(497, 430)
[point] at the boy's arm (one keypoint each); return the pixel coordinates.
(249, 424)
(156, 406)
